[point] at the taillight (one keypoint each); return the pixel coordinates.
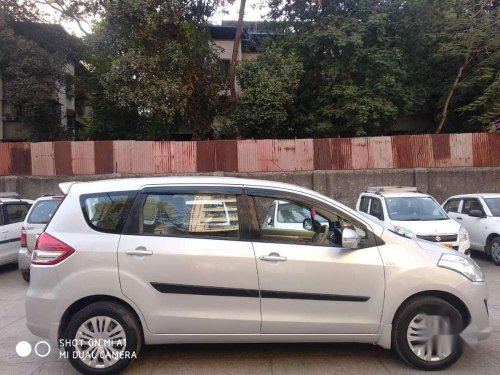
(49, 250)
(24, 240)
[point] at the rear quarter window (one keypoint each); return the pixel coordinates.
(43, 211)
(107, 212)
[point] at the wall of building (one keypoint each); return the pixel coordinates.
(343, 186)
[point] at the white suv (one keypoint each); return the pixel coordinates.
(405, 210)
(480, 215)
(138, 261)
(13, 210)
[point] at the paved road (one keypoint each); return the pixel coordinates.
(239, 359)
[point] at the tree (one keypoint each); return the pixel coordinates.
(470, 49)
(234, 55)
(31, 74)
(269, 84)
(155, 58)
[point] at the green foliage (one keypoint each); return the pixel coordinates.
(31, 76)
(153, 59)
(269, 84)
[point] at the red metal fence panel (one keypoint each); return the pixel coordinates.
(266, 155)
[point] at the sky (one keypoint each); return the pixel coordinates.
(255, 11)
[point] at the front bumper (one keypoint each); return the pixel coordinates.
(24, 259)
(479, 327)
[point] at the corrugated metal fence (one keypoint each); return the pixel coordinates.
(269, 155)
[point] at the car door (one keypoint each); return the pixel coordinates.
(15, 213)
(310, 287)
(186, 261)
(4, 243)
(474, 225)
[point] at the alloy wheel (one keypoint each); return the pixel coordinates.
(429, 337)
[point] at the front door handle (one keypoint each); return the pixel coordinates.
(140, 251)
(273, 257)
(459, 218)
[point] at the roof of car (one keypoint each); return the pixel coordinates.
(475, 195)
(124, 184)
(394, 194)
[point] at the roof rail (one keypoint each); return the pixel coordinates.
(9, 195)
(383, 189)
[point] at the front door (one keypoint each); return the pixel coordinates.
(10, 232)
(185, 260)
(309, 283)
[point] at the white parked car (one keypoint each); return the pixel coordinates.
(13, 210)
(480, 215)
(37, 218)
(405, 210)
(135, 261)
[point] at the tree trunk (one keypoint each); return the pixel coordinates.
(444, 112)
(234, 57)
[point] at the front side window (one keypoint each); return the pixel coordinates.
(376, 209)
(470, 205)
(301, 223)
(43, 210)
(494, 205)
(107, 212)
(363, 205)
(414, 209)
(197, 215)
(16, 212)
(452, 205)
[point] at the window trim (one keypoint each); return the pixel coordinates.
(252, 192)
(131, 225)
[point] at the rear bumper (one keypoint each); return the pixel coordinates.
(24, 259)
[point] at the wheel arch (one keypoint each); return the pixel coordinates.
(82, 302)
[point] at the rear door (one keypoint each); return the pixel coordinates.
(186, 261)
(15, 213)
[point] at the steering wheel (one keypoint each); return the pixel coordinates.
(321, 236)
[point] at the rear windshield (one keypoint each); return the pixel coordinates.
(107, 212)
(43, 211)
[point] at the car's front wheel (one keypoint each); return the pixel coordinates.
(426, 333)
(102, 338)
(494, 250)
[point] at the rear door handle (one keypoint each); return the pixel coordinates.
(459, 218)
(140, 251)
(273, 257)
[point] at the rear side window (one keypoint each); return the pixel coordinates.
(107, 212)
(43, 211)
(452, 205)
(363, 205)
(196, 215)
(17, 212)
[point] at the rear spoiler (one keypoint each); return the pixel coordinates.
(66, 186)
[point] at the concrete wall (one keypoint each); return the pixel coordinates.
(343, 186)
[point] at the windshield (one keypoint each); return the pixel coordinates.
(494, 205)
(414, 209)
(43, 211)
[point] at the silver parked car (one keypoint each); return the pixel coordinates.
(130, 262)
(37, 218)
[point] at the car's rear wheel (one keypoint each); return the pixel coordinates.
(426, 333)
(494, 250)
(26, 276)
(103, 338)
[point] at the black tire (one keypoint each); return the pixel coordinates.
(430, 306)
(26, 276)
(124, 316)
(495, 258)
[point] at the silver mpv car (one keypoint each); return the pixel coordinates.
(130, 262)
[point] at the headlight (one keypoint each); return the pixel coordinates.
(463, 235)
(465, 266)
(404, 232)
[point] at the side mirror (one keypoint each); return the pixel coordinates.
(477, 213)
(350, 239)
(307, 224)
